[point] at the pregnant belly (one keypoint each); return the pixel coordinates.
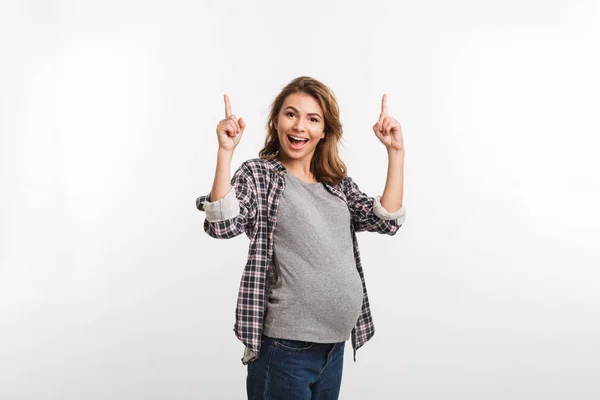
(340, 304)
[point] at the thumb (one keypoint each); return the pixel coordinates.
(242, 123)
(377, 127)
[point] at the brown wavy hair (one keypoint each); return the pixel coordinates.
(325, 164)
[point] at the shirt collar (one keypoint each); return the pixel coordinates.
(276, 166)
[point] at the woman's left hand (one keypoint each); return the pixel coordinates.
(388, 129)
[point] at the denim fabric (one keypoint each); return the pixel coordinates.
(296, 370)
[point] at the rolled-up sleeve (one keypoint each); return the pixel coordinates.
(381, 212)
(236, 212)
(226, 208)
(367, 212)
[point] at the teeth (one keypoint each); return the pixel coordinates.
(298, 138)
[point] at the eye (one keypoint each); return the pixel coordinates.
(314, 120)
(290, 112)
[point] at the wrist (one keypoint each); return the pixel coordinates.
(395, 153)
(224, 153)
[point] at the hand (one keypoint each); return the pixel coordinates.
(230, 129)
(388, 129)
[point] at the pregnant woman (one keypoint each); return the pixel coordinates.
(302, 292)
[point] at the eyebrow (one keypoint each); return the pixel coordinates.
(293, 108)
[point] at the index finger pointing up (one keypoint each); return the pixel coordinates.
(384, 104)
(227, 106)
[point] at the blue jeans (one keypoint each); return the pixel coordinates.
(296, 370)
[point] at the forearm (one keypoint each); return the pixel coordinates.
(222, 182)
(393, 192)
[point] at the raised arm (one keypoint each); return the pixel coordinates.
(389, 132)
(229, 134)
(231, 205)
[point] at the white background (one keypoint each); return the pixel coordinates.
(109, 287)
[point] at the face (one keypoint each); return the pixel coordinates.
(300, 126)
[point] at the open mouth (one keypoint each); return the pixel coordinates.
(297, 142)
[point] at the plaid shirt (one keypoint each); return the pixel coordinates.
(251, 208)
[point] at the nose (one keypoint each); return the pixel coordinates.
(299, 126)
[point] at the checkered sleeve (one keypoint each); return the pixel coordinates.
(235, 213)
(367, 212)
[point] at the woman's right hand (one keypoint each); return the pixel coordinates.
(230, 129)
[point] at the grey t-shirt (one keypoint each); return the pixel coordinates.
(317, 295)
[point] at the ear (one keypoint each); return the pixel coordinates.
(323, 135)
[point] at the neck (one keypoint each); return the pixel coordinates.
(299, 168)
